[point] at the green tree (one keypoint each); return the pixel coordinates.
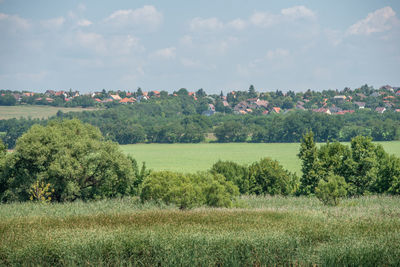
(71, 156)
(331, 190)
(200, 93)
(365, 167)
(3, 154)
(231, 131)
(7, 100)
(252, 92)
(269, 177)
(310, 166)
(139, 92)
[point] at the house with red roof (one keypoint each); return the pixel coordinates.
(127, 100)
(380, 109)
(276, 109)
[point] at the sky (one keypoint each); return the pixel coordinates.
(215, 45)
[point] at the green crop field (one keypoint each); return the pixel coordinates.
(266, 231)
(200, 157)
(33, 111)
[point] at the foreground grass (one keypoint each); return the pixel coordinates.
(265, 231)
(200, 157)
(34, 111)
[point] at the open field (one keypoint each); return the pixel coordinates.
(33, 111)
(196, 157)
(266, 231)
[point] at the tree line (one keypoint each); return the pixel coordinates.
(69, 160)
(179, 120)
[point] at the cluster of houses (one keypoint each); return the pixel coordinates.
(257, 104)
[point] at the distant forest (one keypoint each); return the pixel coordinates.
(241, 116)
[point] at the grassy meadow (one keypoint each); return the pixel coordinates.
(34, 111)
(200, 157)
(263, 231)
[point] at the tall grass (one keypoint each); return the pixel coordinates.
(265, 231)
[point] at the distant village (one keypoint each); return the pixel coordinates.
(238, 102)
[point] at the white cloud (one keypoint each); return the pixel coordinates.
(266, 19)
(124, 45)
(81, 7)
(145, 16)
(238, 24)
(214, 24)
(53, 23)
(262, 19)
(220, 47)
(91, 41)
(133, 75)
(165, 53)
(297, 12)
(335, 37)
(186, 40)
(196, 64)
(210, 24)
(84, 23)
(380, 20)
(187, 62)
(31, 77)
(277, 53)
(118, 45)
(14, 22)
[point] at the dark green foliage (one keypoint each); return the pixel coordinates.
(231, 131)
(264, 177)
(7, 100)
(73, 157)
(331, 190)
(365, 166)
(3, 153)
(234, 172)
(310, 166)
(269, 177)
(155, 116)
(189, 190)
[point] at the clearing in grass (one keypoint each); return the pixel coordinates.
(200, 157)
(35, 111)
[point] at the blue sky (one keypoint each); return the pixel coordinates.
(214, 45)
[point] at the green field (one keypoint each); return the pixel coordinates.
(32, 111)
(200, 157)
(266, 231)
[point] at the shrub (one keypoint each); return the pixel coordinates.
(40, 192)
(269, 177)
(190, 190)
(331, 190)
(233, 172)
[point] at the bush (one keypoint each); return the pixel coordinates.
(190, 190)
(234, 172)
(269, 177)
(331, 190)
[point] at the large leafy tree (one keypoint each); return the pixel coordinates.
(73, 158)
